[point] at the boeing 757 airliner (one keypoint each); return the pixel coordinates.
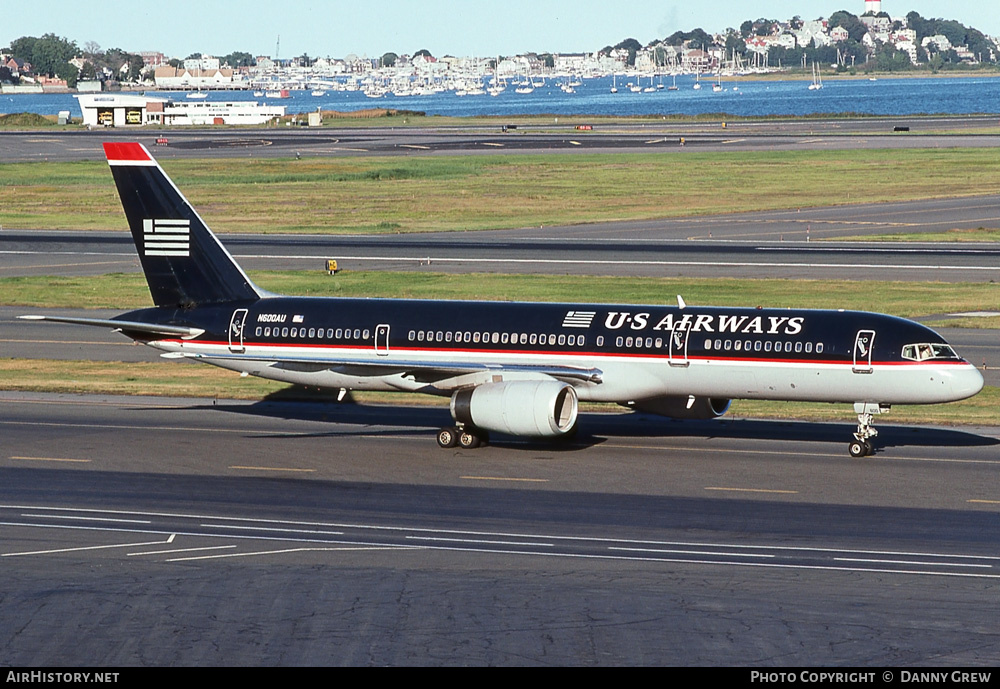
(514, 368)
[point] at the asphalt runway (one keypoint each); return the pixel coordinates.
(181, 532)
(649, 135)
(787, 244)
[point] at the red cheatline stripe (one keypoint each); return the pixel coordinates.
(127, 151)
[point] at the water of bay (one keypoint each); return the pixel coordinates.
(745, 97)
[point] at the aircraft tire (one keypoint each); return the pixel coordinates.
(469, 441)
(447, 437)
(859, 449)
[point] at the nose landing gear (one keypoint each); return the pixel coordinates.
(862, 446)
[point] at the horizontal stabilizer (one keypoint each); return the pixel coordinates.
(131, 326)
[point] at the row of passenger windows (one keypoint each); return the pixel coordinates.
(440, 336)
(763, 345)
(313, 333)
(724, 345)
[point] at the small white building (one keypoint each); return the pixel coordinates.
(120, 110)
(117, 109)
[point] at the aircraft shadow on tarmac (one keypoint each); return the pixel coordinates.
(597, 428)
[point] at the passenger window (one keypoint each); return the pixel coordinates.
(259, 331)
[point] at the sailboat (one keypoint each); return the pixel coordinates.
(614, 83)
(817, 79)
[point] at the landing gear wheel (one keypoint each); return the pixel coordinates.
(447, 437)
(859, 448)
(469, 441)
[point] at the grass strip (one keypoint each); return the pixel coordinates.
(375, 195)
(978, 234)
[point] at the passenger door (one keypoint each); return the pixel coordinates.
(864, 344)
(236, 326)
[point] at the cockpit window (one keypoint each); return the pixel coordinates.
(925, 351)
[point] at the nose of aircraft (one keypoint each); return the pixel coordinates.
(966, 381)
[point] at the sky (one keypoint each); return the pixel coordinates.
(337, 28)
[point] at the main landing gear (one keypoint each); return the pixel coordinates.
(862, 446)
(464, 437)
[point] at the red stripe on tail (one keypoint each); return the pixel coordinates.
(126, 152)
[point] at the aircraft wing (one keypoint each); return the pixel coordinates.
(131, 326)
(420, 371)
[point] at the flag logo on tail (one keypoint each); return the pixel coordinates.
(166, 237)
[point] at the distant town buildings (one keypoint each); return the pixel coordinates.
(764, 46)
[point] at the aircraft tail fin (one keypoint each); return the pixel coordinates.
(185, 264)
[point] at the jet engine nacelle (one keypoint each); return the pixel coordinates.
(537, 408)
(689, 407)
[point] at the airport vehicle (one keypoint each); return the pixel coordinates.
(513, 368)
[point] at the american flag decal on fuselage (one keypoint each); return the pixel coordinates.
(579, 319)
(166, 237)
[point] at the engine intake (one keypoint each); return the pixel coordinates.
(541, 409)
